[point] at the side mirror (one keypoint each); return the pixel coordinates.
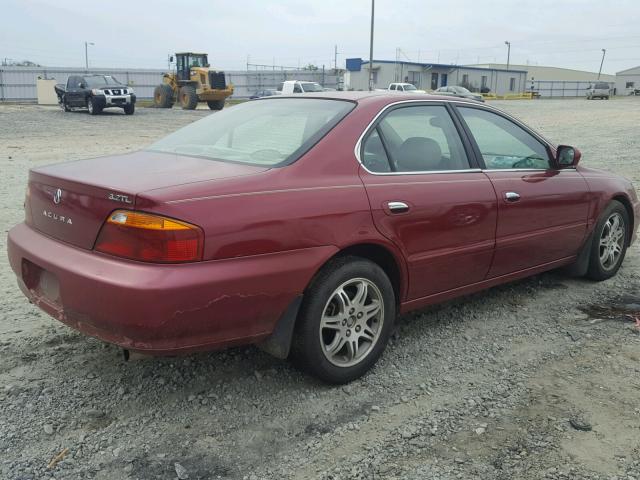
(567, 156)
(81, 85)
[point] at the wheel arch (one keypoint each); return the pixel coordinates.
(624, 200)
(383, 256)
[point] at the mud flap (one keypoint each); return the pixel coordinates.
(581, 265)
(278, 343)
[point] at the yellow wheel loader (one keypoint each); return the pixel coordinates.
(192, 82)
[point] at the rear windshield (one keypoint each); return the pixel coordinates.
(312, 87)
(602, 86)
(269, 132)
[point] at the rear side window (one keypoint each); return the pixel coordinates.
(602, 86)
(415, 139)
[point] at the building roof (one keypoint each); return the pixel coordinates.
(545, 73)
(630, 71)
(442, 65)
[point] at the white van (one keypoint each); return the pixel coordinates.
(297, 86)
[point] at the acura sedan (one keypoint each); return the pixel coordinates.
(306, 224)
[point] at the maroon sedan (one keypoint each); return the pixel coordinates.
(306, 224)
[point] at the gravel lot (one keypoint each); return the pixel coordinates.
(536, 379)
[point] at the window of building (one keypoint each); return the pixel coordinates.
(465, 79)
(414, 78)
(484, 81)
(434, 81)
(443, 79)
(630, 84)
(512, 84)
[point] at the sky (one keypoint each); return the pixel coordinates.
(290, 33)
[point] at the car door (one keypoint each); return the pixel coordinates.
(428, 197)
(542, 210)
(74, 92)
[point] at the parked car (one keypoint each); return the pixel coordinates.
(269, 92)
(459, 92)
(95, 93)
(403, 87)
(598, 90)
(296, 86)
(305, 225)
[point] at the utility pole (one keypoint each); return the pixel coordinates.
(335, 58)
(508, 44)
(373, 2)
(604, 52)
(86, 54)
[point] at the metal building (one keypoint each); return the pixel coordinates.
(429, 76)
(555, 81)
(628, 81)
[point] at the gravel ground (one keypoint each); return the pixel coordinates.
(538, 379)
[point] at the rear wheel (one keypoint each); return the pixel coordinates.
(216, 104)
(188, 97)
(93, 107)
(611, 237)
(129, 109)
(345, 320)
(163, 96)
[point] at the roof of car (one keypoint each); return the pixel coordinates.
(375, 95)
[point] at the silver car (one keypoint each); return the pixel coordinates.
(461, 92)
(598, 90)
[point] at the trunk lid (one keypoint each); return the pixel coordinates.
(70, 201)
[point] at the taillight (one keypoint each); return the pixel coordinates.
(150, 238)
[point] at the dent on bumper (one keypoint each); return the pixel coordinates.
(164, 308)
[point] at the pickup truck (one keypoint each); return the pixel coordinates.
(297, 86)
(402, 87)
(95, 93)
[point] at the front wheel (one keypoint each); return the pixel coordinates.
(93, 107)
(345, 320)
(216, 104)
(129, 109)
(610, 241)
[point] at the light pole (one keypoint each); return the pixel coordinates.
(508, 44)
(604, 52)
(371, 47)
(86, 54)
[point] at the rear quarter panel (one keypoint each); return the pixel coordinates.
(317, 201)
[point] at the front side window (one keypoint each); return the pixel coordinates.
(502, 143)
(267, 132)
(415, 139)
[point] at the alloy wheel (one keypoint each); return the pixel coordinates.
(351, 322)
(612, 241)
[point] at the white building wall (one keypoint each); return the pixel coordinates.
(626, 77)
(385, 73)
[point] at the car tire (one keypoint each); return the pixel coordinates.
(610, 241)
(216, 104)
(340, 334)
(129, 109)
(93, 107)
(163, 96)
(188, 97)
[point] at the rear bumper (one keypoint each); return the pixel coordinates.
(160, 309)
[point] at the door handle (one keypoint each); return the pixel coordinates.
(511, 196)
(398, 207)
